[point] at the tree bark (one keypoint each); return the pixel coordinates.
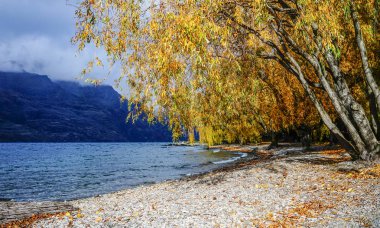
(363, 54)
(355, 110)
(375, 121)
(342, 112)
(360, 146)
(352, 149)
(366, 148)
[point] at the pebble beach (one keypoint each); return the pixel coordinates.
(312, 189)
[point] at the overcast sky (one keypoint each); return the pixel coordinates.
(35, 37)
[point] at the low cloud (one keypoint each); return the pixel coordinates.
(42, 55)
(35, 37)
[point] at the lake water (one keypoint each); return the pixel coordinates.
(64, 171)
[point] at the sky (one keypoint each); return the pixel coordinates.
(35, 37)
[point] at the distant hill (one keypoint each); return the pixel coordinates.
(34, 108)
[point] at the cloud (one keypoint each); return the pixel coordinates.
(35, 37)
(42, 55)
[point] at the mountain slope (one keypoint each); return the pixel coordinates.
(34, 108)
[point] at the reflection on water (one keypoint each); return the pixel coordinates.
(54, 171)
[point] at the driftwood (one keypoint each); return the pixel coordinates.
(16, 211)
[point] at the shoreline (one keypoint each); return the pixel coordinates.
(120, 207)
(73, 172)
(46, 209)
(149, 183)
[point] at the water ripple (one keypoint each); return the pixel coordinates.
(64, 171)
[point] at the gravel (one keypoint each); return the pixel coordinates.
(288, 191)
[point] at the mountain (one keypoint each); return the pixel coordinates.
(34, 108)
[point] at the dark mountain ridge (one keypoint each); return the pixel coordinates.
(34, 108)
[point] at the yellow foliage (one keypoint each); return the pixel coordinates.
(195, 64)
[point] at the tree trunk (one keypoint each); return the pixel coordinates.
(354, 109)
(332, 139)
(363, 54)
(342, 112)
(375, 121)
(352, 149)
(305, 137)
(367, 148)
(274, 141)
(356, 125)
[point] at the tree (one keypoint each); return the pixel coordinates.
(201, 64)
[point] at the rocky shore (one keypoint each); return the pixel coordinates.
(283, 187)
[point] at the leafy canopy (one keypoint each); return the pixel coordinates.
(199, 66)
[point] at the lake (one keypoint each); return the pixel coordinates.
(65, 171)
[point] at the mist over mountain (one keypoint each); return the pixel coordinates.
(34, 108)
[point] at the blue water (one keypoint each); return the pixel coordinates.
(64, 171)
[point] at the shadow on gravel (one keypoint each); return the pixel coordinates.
(291, 153)
(317, 160)
(318, 155)
(212, 180)
(23, 214)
